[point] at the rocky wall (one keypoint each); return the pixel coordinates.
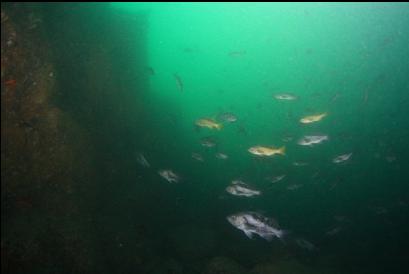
(55, 109)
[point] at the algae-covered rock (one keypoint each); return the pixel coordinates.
(223, 265)
(167, 266)
(283, 267)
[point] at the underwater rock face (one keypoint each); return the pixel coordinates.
(38, 152)
(223, 265)
(167, 266)
(284, 267)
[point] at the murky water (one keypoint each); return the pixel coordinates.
(292, 115)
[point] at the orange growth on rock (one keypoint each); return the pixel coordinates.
(11, 82)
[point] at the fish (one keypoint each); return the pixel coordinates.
(237, 53)
(208, 123)
(335, 97)
(305, 244)
(188, 50)
(179, 82)
(287, 139)
(285, 96)
(313, 118)
(239, 188)
(310, 140)
(300, 163)
(221, 156)
(365, 97)
(208, 142)
(342, 219)
(169, 175)
(342, 158)
(266, 151)
(390, 158)
(142, 160)
(150, 70)
(276, 179)
(254, 223)
(242, 130)
(333, 231)
(227, 117)
(294, 187)
(379, 210)
(197, 156)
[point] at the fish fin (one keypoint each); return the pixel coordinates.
(268, 237)
(248, 234)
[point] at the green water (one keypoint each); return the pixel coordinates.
(115, 65)
(349, 60)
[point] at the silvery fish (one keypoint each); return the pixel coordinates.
(333, 231)
(169, 175)
(239, 188)
(285, 96)
(276, 179)
(142, 160)
(342, 158)
(254, 223)
(300, 163)
(221, 156)
(294, 187)
(197, 156)
(310, 140)
(390, 158)
(227, 117)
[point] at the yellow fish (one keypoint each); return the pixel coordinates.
(266, 151)
(209, 123)
(313, 118)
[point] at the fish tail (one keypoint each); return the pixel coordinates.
(282, 150)
(283, 235)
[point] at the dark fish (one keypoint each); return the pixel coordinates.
(237, 53)
(242, 130)
(239, 188)
(150, 70)
(335, 97)
(178, 82)
(188, 50)
(305, 244)
(208, 142)
(142, 160)
(254, 223)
